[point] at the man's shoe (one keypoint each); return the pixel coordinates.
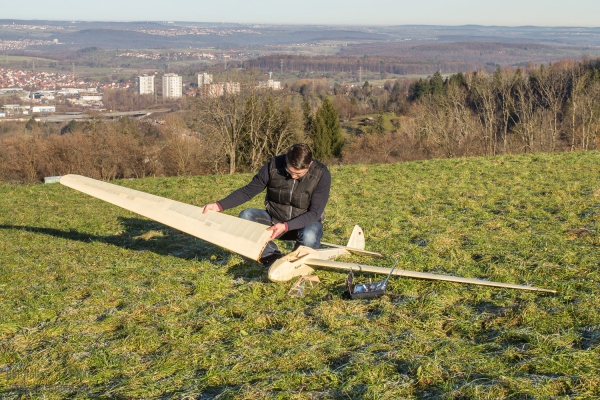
(269, 260)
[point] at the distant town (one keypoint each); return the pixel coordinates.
(196, 31)
(179, 56)
(46, 90)
(23, 44)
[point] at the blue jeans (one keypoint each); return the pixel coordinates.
(309, 236)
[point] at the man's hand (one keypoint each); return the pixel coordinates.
(277, 229)
(211, 207)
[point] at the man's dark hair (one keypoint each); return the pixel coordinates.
(299, 156)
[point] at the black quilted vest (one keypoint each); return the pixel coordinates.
(288, 198)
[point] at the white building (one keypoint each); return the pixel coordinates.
(232, 87)
(91, 99)
(146, 84)
(11, 90)
(270, 84)
(172, 85)
(12, 110)
(43, 109)
(221, 89)
(212, 90)
(68, 92)
(204, 79)
(42, 95)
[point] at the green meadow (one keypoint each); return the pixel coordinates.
(96, 301)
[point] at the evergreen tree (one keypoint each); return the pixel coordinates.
(31, 124)
(326, 132)
(458, 79)
(307, 114)
(436, 84)
(377, 127)
(70, 127)
(419, 89)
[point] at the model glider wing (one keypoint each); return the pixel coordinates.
(313, 262)
(238, 235)
(304, 260)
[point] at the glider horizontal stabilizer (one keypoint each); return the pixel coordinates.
(356, 244)
(353, 250)
(244, 237)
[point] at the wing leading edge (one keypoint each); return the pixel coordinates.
(240, 236)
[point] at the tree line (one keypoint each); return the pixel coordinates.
(351, 64)
(253, 125)
(103, 149)
(539, 108)
(546, 108)
(235, 132)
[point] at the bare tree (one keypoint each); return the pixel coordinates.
(588, 117)
(222, 118)
(526, 116)
(579, 79)
(503, 86)
(23, 158)
(486, 105)
(178, 153)
(288, 129)
(552, 84)
(271, 124)
(447, 121)
(259, 115)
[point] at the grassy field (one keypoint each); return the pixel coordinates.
(98, 302)
(37, 60)
(356, 122)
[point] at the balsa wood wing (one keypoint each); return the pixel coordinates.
(244, 237)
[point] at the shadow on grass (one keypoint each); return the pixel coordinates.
(143, 235)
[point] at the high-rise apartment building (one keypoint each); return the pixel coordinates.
(146, 84)
(204, 79)
(220, 89)
(172, 85)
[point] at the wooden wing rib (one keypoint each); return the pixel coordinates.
(314, 262)
(244, 237)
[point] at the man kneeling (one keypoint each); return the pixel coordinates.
(297, 192)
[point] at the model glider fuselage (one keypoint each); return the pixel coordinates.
(249, 238)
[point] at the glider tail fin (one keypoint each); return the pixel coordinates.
(356, 243)
(357, 239)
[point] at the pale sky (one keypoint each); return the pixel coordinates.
(334, 12)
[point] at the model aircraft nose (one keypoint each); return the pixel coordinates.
(283, 270)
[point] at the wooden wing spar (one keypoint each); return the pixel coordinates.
(249, 238)
(235, 234)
